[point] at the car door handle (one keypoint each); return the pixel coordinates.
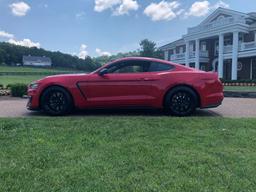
(148, 79)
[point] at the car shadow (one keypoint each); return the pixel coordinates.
(128, 112)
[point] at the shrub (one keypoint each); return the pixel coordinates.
(8, 86)
(18, 89)
(1, 86)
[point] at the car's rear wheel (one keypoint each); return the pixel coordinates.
(181, 101)
(56, 101)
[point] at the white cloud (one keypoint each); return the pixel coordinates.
(83, 52)
(163, 10)
(101, 5)
(102, 53)
(118, 7)
(25, 43)
(220, 4)
(202, 8)
(20, 8)
(199, 8)
(6, 35)
(126, 6)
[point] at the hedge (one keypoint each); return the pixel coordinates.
(18, 89)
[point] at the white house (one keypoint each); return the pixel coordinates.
(37, 61)
(224, 42)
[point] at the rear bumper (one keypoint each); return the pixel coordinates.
(213, 100)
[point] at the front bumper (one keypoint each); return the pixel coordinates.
(30, 105)
(33, 100)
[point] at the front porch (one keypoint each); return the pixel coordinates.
(225, 35)
(246, 69)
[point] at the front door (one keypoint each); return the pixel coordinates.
(125, 84)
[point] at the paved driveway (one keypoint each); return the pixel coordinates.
(231, 107)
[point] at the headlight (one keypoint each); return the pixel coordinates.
(34, 85)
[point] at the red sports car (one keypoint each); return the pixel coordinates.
(129, 82)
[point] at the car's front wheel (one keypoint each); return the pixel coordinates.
(181, 101)
(56, 101)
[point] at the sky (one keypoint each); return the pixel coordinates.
(103, 27)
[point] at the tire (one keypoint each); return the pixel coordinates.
(181, 101)
(56, 101)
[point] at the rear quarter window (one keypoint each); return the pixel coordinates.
(156, 67)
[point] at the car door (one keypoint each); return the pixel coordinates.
(125, 84)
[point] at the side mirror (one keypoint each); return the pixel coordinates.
(103, 72)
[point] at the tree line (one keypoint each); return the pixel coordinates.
(12, 55)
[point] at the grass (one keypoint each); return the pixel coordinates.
(127, 154)
(10, 79)
(239, 88)
(32, 69)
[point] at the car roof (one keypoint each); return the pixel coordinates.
(177, 66)
(150, 59)
(139, 58)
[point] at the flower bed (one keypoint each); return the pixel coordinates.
(240, 84)
(15, 90)
(244, 83)
(5, 92)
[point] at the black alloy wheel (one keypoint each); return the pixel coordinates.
(56, 101)
(181, 101)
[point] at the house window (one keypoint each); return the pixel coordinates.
(241, 37)
(203, 68)
(203, 46)
(227, 41)
(181, 50)
(216, 51)
(191, 48)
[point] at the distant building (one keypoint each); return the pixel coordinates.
(224, 42)
(37, 61)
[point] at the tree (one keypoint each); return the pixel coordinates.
(149, 49)
(12, 55)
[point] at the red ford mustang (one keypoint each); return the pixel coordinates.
(129, 82)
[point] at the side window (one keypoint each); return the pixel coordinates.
(132, 66)
(156, 67)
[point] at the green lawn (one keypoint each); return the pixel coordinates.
(33, 69)
(10, 79)
(127, 154)
(239, 88)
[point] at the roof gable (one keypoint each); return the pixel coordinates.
(223, 13)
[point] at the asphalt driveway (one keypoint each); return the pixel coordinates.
(231, 107)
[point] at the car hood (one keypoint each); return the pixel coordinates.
(66, 76)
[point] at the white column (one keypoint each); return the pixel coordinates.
(174, 52)
(235, 55)
(221, 50)
(166, 55)
(187, 54)
(197, 54)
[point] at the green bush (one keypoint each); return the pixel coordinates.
(18, 89)
(1, 86)
(8, 86)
